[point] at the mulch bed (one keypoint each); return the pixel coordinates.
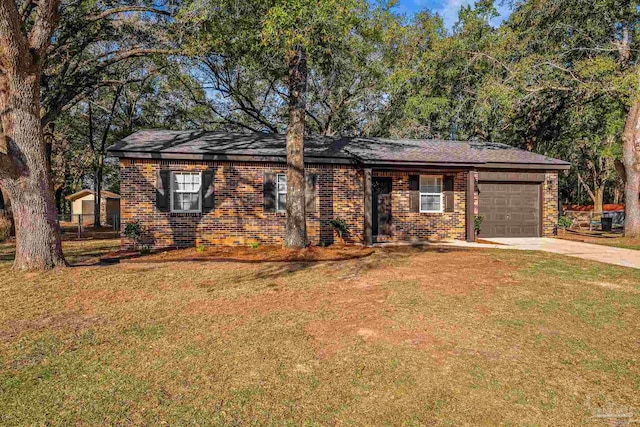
(243, 254)
(488, 242)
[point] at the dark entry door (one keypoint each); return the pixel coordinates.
(381, 194)
(509, 209)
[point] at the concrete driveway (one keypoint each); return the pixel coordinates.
(606, 254)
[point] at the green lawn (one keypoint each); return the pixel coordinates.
(403, 337)
(616, 242)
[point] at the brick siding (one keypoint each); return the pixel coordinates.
(238, 217)
(410, 226)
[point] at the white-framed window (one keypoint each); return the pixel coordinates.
(186, 194)
(281, 192)
(431, 193)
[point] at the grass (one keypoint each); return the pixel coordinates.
(77, 252)
(616, 242)
(406, 336)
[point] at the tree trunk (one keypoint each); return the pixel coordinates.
(2, 206)
(296, 229)
(598, 200)
(26, 176)
(97, 195)
(631, 161)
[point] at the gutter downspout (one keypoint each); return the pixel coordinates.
(470, 203)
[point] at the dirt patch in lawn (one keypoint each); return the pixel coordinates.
(68, 321)
(248, 254)
(366, 299)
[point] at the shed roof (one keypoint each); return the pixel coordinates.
(82, 193)
(322, 149)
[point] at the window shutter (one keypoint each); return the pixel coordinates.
(269, 192)
(448, 195)
(208, 190)
(414, 193)
(310, 191)
(163, 189)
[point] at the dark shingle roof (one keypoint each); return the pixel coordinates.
(268, 147)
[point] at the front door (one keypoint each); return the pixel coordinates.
(381, 218)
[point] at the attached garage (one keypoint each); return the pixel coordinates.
(509, 203)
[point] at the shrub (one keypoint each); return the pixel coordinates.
(145, 250)
(340, 225)
(564, 222)
(255, 245)
(477, 223)
(201, 248)
(133, 231)
(5, 227)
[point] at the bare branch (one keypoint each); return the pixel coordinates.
(118, 55)
(586, 187)
(124, 9)
(497, 61)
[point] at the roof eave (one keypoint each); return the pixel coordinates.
(477, 165)
(130, 154)
(125, 154)
(508, 165)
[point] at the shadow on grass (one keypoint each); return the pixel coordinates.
(77, 253)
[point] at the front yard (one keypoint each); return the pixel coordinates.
(405, 336)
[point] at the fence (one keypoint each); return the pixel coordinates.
(83, 221)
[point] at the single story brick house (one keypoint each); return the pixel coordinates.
(220, 188)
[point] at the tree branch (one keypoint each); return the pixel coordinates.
(12, 39)
(586, 187)
(124, 9)
(40, 35)
(117, 55)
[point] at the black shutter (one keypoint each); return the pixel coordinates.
(269, 192)
(207, 190)
(414, 193)
(448, 196)
(163, 190)
(310, 191)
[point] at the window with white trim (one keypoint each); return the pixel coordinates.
(186, 194)
(430, 193)
(281, 192)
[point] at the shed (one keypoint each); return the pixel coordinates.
(83, 206)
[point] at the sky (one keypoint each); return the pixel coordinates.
(448, 9)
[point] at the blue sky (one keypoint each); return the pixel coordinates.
(448, 9)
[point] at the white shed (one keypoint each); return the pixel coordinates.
(83, 206)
